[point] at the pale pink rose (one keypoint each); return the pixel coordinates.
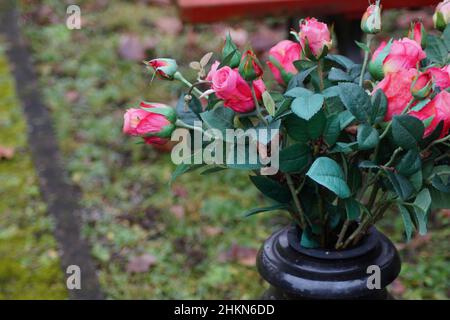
(439, 108)
(285, 53)
(397, 88)
(440, 77)
(404, 54)
(212, 71)
(235, 92)
(317, 35)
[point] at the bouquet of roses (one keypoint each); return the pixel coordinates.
(337, 144)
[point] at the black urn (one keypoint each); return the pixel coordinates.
(295, 272)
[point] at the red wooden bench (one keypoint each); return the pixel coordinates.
(346, 13)
(206, 11)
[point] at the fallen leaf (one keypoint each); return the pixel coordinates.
(397, 288)
(141, 263)
(178, 211)
(131, 48)
(6, 152)
(212, 231)
(242, 255)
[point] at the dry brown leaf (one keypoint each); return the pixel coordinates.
(141, 263)
(242, 255)
(6, 152)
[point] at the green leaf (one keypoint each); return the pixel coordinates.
(272, 189)
(302, 65)
(268, 103)
(436, 50)
(446, 36)
(407, 131)
(307, 106)
(341, 60)
(352, 208)
(379, 106)
(345, 119)
(409, 164)
(344, 147)
(190, 114)
(356, 100)
(302, 130)
(329, 174)
(182, 169)
(440, 185)
(332, 129)
(407, 222)
(294, 158)
(363, 46)
(213, 169)
(298, 92)
(417, 180)
(254, 211)
(219, 118)
(299, 79)
(421, 206)
(337, 75)
(307, 239)
(440, 200)
(402, 186)
(367, 137)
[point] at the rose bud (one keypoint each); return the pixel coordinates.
(439, 109)
(314, 37)
(422, 85)
(395, 56)
(155, 122)
(164, 68)
(235, 92)
(230, 54)
(371, 20)
(281, 58)
(441, 16)
(250, 68)
(418, 34)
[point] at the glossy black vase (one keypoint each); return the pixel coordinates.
(294, 272)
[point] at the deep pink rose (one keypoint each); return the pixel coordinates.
(284, 53)
(235, 92)
(139, 122)
(317, 35)
(439, 107)
(397, 88)
(404, 54)
(440, 77)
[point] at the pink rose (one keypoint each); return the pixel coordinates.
(235, 92)
(439, 108)
(441, 16)
(397, 88)
(441, 77)
(422, 85)
(284, 53)
(404, 54)
(316, 34)
(154, 127)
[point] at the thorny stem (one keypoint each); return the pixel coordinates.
(366, 60)
(255, 101)
(320, 72)
(296, 201)
(181, 78)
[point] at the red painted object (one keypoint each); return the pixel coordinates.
(206, 11)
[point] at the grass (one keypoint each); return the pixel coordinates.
(130, 208)
(29, 267)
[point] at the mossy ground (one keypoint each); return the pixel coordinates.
(29, 263)
(190, 226)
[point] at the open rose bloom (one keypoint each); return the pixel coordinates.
(356, 142)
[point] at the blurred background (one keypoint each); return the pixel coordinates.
(150, 240)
